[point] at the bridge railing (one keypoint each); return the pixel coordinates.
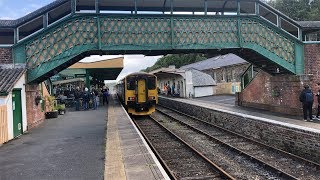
(63, 9)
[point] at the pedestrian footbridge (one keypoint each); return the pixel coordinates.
(63, 32)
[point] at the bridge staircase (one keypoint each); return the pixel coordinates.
(249, 74)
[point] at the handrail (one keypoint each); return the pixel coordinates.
(247, 77)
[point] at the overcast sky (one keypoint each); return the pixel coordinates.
(14, 9)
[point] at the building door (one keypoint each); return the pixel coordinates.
(17, 112)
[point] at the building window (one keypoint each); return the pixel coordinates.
(233, 74)
(224, 75)
(214, 76)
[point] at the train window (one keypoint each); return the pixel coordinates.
(131, 84)
(151, 83)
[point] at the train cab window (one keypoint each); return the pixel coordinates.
(131, 84)
(151, 83)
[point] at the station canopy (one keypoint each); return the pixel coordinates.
(108, 69)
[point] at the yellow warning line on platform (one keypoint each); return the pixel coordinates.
(114, 167)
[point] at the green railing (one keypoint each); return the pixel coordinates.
(125, 34)
(249, 74)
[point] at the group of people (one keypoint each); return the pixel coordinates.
(86, 99)
(170, 91)
(307, 99)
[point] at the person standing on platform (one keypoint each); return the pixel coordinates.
(105, 96)
(318, 95)
(306, 97)
(77, 96)
(173, 89)
(86, 98)
(94, 99)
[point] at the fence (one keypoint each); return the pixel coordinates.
(3, 124)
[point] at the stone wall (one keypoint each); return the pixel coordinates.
(6, 56)
(227, 76)
(300, 142)
(35, 115)
(231, 73)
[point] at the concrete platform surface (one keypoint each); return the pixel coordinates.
(68, 147)
(217, 102)
(127, 154)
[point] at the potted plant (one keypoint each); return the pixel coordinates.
(51, 110)
(61, 109)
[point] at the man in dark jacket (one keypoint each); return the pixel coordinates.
(318, 95)
(77, 96)
(306, 97)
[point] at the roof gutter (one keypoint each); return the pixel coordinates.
(4, 94)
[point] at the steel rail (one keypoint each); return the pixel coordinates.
(222, 172)
(242, 136)
(155, 151)
(271, 167)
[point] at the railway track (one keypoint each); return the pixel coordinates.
(178, 157)
(241, 157)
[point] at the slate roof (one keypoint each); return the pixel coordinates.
(216, 62)
(8, 78)
(201, 79)
(32, 15)
(309, 24)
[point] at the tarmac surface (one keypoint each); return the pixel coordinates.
(71, 146)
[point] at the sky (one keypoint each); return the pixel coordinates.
(14, 9)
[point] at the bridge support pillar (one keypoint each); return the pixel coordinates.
(280, 93)
(87, 79)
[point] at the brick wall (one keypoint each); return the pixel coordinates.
(6, 56)
(276, 135)
(35, 115)
(275, 93)
(281, 93)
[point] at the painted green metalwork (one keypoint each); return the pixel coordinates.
(299, 55)
(87, 79)
(247, 77)
(118, 33)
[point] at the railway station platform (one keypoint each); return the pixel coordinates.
(127, 154)
(217, 103)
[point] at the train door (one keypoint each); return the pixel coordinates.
(142, 97)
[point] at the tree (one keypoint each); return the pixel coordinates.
(299, 10)
(176, 59)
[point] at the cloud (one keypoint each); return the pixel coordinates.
(14, 9)
(135, 63)
(99, 58)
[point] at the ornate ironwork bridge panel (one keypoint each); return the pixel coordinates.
(82, 35)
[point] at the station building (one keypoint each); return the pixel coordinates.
(187, 82)
(226, 70)
(13, 121)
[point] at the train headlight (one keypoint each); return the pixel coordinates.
(152, 98)
(131, 98)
